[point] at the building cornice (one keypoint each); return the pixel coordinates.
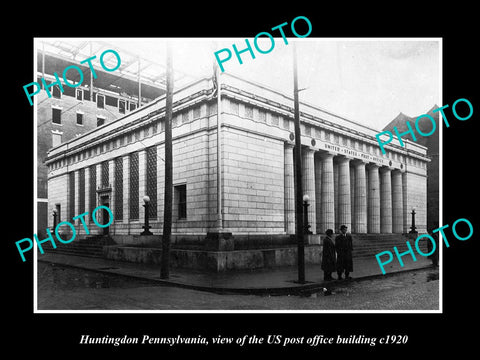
(201, 91)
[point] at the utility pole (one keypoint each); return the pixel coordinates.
(219, 154)
(91, 75)
(139, 84)
(298, 177)
(167, 211)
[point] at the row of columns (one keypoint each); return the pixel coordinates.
(364, 196)
(142, 174)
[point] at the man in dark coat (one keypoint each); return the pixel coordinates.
(328, 256)
(344, 247)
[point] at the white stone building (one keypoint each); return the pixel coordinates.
(345, 175)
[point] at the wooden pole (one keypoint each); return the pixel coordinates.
(91, 75)
(140, 85)
(43, 64)
(298, 176)
(167, 213)
(219, 154)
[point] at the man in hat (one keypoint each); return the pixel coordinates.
(344, 247)
(328, 256)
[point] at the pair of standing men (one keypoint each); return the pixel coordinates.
(338, 256)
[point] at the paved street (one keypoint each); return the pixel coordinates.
(65, 288)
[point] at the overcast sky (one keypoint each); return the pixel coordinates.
(369, 81)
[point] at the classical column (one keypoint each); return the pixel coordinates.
(318, 190)
(327, 196)
(397, 201)
(98, 186)
(360, 201)
(111, 177)
(335, 196)
(352, 195)
(161, 187)
(289, 189)
(406, 211)
(308, 178)
(126, 188)
(142, 182)
(373, 210)
(77, 195)
(99, 180)
(344, 204)
(87, 195)
(385, 200)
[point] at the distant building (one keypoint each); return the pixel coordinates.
(76, 111)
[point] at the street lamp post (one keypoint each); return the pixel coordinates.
(306, 199)
(146, 227)
(413, 227)
(54, 213)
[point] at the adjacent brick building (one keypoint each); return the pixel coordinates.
(75, 111)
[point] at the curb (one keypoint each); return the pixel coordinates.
(309, 287)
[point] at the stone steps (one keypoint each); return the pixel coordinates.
(366, 245)
(91, 246)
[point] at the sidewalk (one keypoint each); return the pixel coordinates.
(260, 281)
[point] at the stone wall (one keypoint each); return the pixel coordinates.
(217, 261)
(253, 183)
